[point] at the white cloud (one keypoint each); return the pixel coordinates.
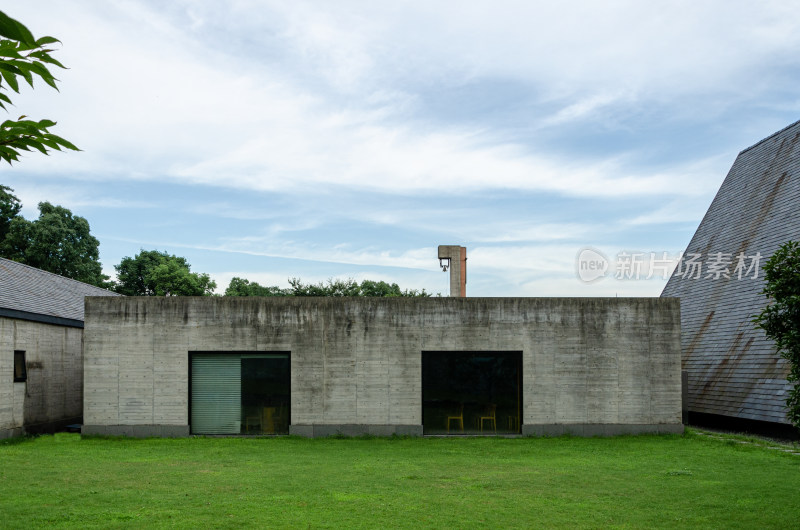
(307, 99)
(30, 195)
(582, 108)
(147, 97)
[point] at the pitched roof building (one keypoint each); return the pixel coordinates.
(733, 369)
(41, 348)
(29, 293)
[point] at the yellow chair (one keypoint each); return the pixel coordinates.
(459, 418)
(269, 420)
(491, 416)
(513, 423)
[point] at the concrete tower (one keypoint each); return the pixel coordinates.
(456, 261)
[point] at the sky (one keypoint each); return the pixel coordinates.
(270, 140)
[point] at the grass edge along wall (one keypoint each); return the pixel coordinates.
(590, 366)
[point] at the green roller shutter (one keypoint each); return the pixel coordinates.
(216, 394)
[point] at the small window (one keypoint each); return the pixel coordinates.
(20, 373)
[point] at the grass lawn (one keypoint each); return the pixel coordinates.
(636, 481)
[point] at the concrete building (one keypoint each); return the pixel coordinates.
(321, 366)
(733, 370)
(41, 337)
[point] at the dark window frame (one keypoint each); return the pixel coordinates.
(20, 367)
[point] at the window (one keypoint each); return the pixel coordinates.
(20, 373)
(471, 392)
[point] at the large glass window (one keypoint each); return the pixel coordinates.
(239, 393)
(471, 392)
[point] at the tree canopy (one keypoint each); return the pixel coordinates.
(24, 57)
(156, 273)
(349, 287)
(243, 287)
(57, 241)
(780, 320)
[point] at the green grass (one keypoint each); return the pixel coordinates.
(637, 481)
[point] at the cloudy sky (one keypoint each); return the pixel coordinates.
(315, 139)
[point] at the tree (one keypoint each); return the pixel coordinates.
(57, 242)
(243, 287)
(336, 287)
(23, 56)
(780, 320)
(349, 287)
(9, 209)
(154, 273)
(371, 288)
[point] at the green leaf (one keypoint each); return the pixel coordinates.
(45, 58)
(40, 70)
(24, 70)
(46, 40)
(9, 51)
(9, 67)
(61, 141)
(30, 142)
(50, 143)
(19, 145)
(10, 78)
(14, 29)
(8, 154)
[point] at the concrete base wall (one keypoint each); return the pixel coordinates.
(316, 431)
(356, 363)
(53, 392)
(11, 433)
(137, 431)
(593, 429)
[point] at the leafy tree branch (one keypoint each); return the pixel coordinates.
(24, 58)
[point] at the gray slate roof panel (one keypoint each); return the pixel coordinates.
(28, 289)
(733, 368)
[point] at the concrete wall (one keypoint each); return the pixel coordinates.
(590, 366)
(52, 395)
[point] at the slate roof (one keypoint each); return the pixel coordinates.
(29, 291)
(733, 368)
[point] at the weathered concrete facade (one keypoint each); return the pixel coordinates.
(52, 393)
(590, 366)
